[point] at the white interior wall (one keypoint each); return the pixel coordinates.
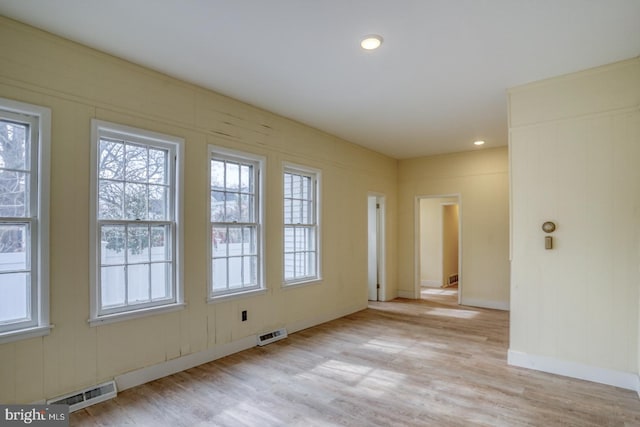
(575, 150)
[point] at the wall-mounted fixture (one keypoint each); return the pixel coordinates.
(548, 227)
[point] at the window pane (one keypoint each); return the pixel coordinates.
(235, 241)
(160, 281)
(110, 200)
(296, 183)
(138, 244)
(301, 267)
(304, 213)
(219, 242)
(219, 274)
(246, 179)
(233, 176)
(249, 244)
(301, 239)
(287, 184)
(136, 166)
(138, 283)
(14, 145)
(160, 243)
(250, 269)
(14, 242)
(311, 264)
(14, 297)
(112, 244)
(306, 188)
(13, 193)
(158, 166)
(217, 175)
(289, 272)
(135, 201)
(158, 202)
(232, 211)
(297, 215)
(289, 239)
(235, 272)
(217, 206)
(113, 286)
(246, 208)
(111, 160)
(288, 217)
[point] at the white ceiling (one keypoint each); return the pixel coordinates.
(437, 83)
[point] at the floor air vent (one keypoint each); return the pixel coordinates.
(87, 397)
(269, 337)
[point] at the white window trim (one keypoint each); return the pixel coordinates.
(214, 150)
(40, 325)
(288, 167)
(99, 127)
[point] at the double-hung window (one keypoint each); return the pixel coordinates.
(136, 214)
(301, 225)
(235, 222)
(24, 245)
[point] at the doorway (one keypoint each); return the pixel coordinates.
(438, 248)
(375, 244)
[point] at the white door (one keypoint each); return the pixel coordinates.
(373, 248)
(375, 244)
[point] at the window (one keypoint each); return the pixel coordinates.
(236, 222)
(136, 212)
(24, 222)
(301, 225)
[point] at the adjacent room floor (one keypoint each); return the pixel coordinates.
(401, 363)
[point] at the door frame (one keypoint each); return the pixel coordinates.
(416, 241)
(381, 200)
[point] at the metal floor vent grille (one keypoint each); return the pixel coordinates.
(87, 397)
(269, 337)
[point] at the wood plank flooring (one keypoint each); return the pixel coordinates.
(400, 363)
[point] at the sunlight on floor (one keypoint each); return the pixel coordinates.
(452, 312)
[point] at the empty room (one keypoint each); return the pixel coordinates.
(330, 213)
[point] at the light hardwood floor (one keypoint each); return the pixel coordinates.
(400, 363)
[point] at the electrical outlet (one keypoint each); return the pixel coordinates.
(244, 315)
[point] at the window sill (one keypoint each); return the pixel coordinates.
(236, 295)
(23, 334)
(134, 314)
(298, 284)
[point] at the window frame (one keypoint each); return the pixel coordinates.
(175, 146)
(316, 177)
(259, 162)
(39, 120)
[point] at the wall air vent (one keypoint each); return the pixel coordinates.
(87, 397)
(269, 337)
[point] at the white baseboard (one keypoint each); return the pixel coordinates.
(626, 380)
(406, 294)
(160, 370)
(495, 305)
(431, 283)
(150, 373)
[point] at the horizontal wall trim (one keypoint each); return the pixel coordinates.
(431, 283)
(626, 380)
(173, 366)
(406, 294)
(495, 305)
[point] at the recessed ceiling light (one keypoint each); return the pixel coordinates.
(371, 42)
(479, 142)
